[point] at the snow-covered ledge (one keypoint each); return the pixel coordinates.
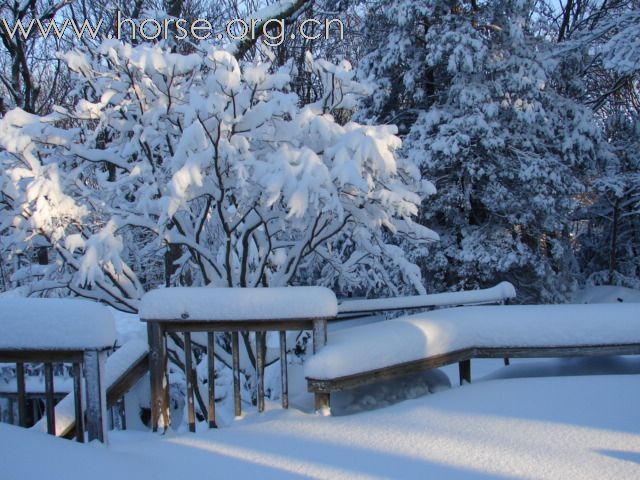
(369, 353)
(60, 330)
(55, 324)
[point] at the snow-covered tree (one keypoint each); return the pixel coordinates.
(485, 115)
(213, 163)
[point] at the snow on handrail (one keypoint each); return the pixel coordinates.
(498, 293)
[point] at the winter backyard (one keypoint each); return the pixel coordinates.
(319, 239)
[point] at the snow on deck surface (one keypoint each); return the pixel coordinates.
(413, 337)
(204, 303)
(566, 428)
(55, 323)
(502, 291)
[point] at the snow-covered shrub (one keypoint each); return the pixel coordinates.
(195, 170)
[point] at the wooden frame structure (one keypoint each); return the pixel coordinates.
(322, 388)
(157, 332)
(91, 361)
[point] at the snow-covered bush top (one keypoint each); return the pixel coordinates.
(215, 160)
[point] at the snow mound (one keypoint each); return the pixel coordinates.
(55, 323)
(410, 338)
(204, 303)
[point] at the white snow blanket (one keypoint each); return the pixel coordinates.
(55, 323)
(502, 291)
(208, 303)
(405, 339)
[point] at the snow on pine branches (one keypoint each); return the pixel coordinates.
(207, 172)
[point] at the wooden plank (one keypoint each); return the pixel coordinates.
(235, 346)
(284, 378)
(40, 356)
(386, 373)
(22, 398)
(211, 379)
(557, 351)
(464, 368)
(50, 405)
(96, 395)
(127, 380)
(260, 351)
(235, 326)
(319, 334)
(191, 415)
(77, 400)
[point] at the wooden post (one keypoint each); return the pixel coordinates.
(235, 346)
(22, 395)
(323, 403)
(260, 338)
(506, 361)
(283, 369)
(188, 374)
(50, 406)
(157, 366)
(96, 395)
(464, 367)
(77, 399)
(319, 334)
(211, 380)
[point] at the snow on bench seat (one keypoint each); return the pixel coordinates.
(55, 324)
(211, 304)
(406, 339)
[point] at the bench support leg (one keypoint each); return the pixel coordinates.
(323, 403)
(464, 368)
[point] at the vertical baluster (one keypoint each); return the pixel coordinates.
(235, 346)
(77, 398)
(283, 369)
(260, 337)
(211, 379)
(22, 395)
(49, 401)
(188, 373)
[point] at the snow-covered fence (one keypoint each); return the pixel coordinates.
(234, 310)
(358, 308)
(60, 331)
(369, 353)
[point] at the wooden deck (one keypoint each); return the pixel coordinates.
(322, 388)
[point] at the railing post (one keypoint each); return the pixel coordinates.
(157, 373)
(96, 395)
(319, 334)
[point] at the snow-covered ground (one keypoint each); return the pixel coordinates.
(569, 427)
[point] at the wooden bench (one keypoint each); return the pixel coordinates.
(51, 331)
(458, 335)
(233, 310)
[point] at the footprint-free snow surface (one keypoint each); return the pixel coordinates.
(562, 427)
